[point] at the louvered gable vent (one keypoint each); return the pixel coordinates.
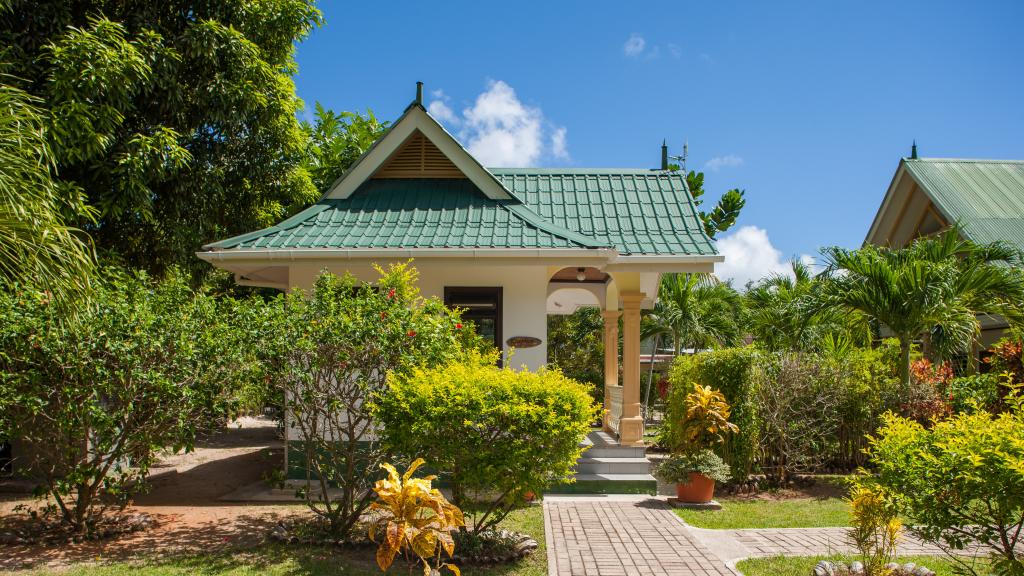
(417, 157)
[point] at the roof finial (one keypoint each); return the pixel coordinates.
(419, 93)
(913, 150)
(664, 155)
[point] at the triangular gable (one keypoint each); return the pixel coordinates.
(417, 157)
(385, 154)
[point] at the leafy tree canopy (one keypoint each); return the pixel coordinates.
(175, 120)
(336, 140)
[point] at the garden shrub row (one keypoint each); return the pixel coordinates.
(796, 412)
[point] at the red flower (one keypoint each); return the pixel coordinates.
(391, 293)
(458, 325)
(383, 315)
(411, 333)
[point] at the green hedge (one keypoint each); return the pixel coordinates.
(730, 371)
(495, 434)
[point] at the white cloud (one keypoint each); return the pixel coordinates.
(634, 46)
(558, 144)
(499, 130)
(719, 162)
(750, 256)
(438, 109)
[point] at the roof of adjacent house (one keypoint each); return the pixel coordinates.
(632, 211)
(985, 197)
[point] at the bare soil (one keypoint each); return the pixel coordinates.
(184, 501)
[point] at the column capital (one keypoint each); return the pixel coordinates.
(611, 314)
(632, 299)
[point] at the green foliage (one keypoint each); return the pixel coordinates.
(723, 216)
(779, 313)
(336, 141)
(676, 469)
(975, 392)
(332, 351)
(936, 287)
(959, 481)
(730, 371)
(36, 243)
(94, 396)
(694, 311)
(175, 121)
(576, 347)
(498, 434)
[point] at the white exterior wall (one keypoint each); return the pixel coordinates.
(524, 294)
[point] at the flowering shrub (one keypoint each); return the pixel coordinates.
(928, 397)
(334, 350)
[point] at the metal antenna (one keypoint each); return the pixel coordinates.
(682, 159)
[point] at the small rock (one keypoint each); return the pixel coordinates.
(923, 571)
(824, 568)
(909, 567)
(892, 566)
(856, 567)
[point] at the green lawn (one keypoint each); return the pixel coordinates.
(803, 565)
(791, 513)
(280, 560)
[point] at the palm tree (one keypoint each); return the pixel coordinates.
(780, 314)
(934, 288)
(694, 311)
(36, 245)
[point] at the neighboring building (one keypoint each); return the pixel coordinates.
(985, 198)
(509, 245)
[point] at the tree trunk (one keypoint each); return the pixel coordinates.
(905, 347)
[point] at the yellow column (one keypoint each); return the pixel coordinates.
(631, 426)
(611, 362)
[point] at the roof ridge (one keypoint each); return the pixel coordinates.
(965, 160)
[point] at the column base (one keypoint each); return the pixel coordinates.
(606, 422)
(631, 431)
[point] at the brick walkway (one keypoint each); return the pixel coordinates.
(604, 537)
(807, 541)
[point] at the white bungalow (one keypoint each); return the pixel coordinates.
(509, 245)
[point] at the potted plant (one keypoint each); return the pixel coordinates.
(693, 474)
(693, 467)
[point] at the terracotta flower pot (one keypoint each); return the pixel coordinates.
(699, 490)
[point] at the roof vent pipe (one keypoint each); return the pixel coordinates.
(913, 150)
(664, 155)
(419, 93)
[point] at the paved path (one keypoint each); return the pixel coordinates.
(622, 537)
(627, 535)
(733, 545)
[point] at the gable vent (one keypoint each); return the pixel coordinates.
(417, 157)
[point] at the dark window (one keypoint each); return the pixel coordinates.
(481, 306)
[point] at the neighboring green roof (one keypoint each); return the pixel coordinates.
(986, 197)
(632, 211)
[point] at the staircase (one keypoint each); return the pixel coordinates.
(607, 468)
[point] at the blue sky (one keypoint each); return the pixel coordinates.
(808, 106)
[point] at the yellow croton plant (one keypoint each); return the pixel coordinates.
(412, 516)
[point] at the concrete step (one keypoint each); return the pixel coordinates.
(614, 452)
(609, 484)
(587, 465)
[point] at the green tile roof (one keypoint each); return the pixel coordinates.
(632, 211)
(636, 211)
(986, 197)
